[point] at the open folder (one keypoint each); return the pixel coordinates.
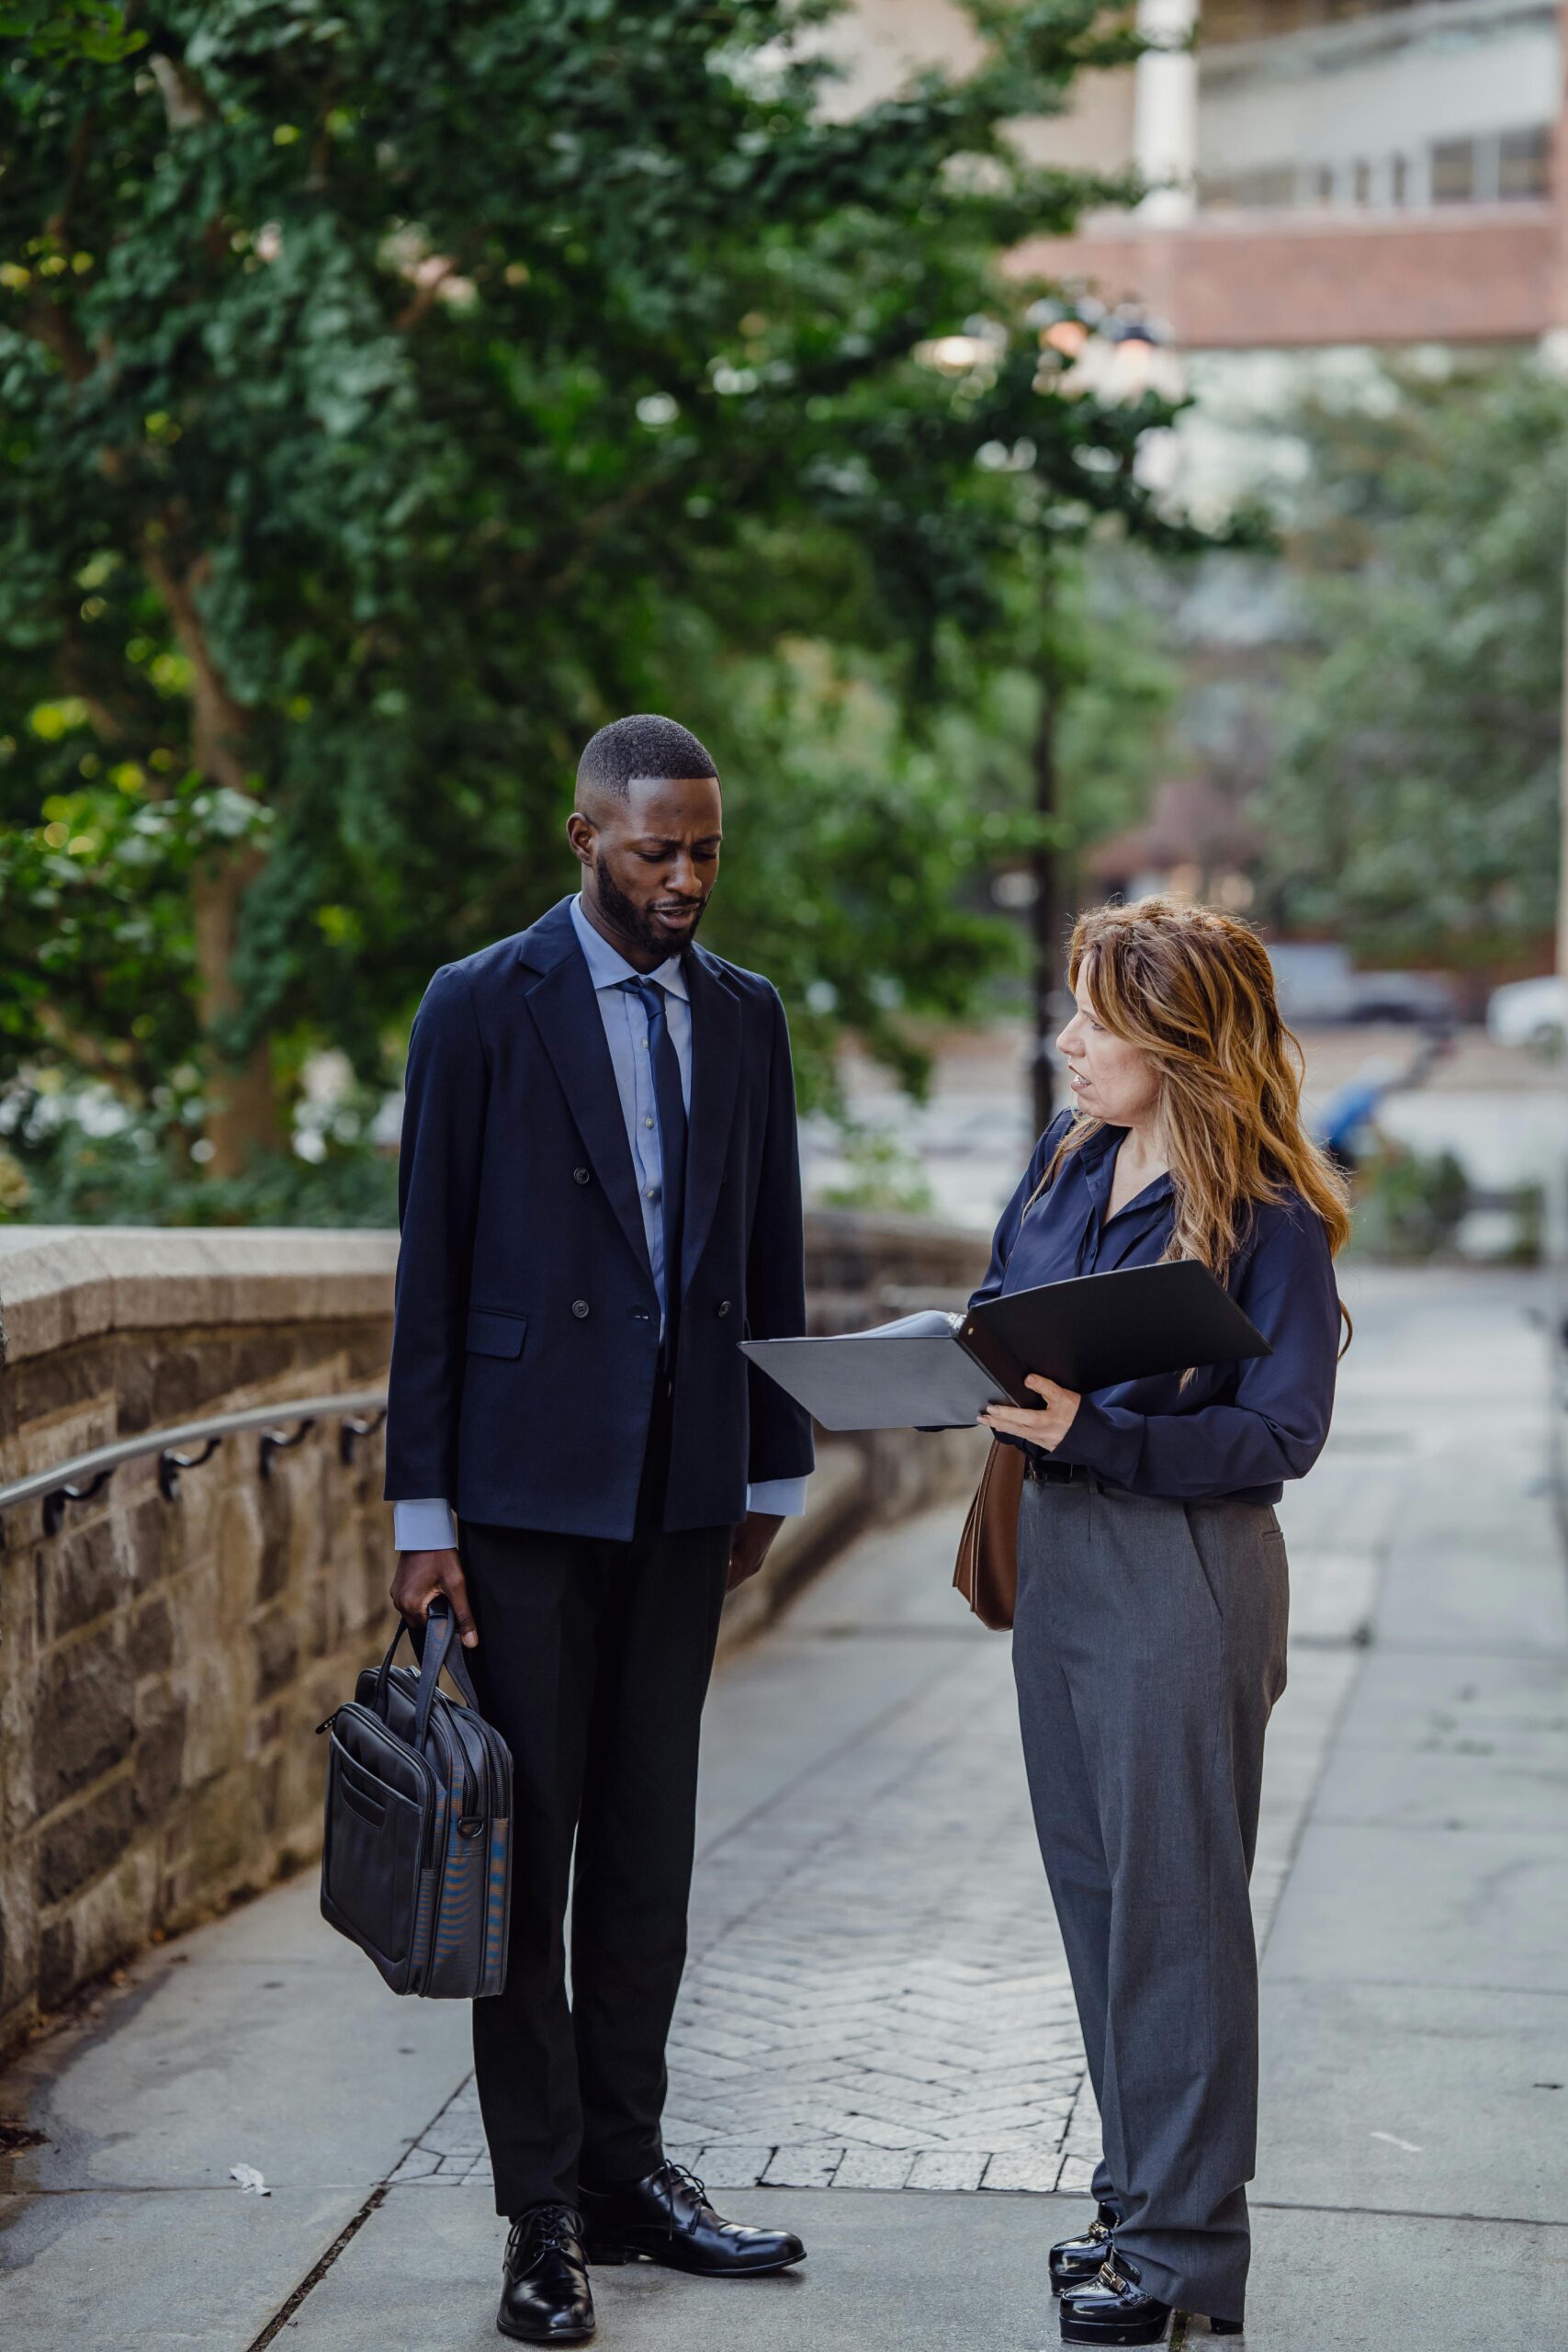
(938, 1369)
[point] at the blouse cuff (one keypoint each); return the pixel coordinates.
(1098, 1442)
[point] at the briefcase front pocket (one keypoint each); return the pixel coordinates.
(371, 1879)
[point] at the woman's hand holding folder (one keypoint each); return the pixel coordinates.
(1046, 1426)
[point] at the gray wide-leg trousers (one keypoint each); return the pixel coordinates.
(1148, 1648)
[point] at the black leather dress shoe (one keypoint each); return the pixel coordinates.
(1113, 2309)
(1075, 2262)
(544, 2293)
(667, 2218)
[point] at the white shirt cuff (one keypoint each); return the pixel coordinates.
(423, 1526)
(780, 1497)
(426, 1526)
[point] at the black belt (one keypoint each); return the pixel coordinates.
(1043, 1473)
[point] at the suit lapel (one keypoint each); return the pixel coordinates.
(566, 1013)
(716, 1072)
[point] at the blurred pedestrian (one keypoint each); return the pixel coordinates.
(1346, 1126)
(600, 1195)
(1149, 1638)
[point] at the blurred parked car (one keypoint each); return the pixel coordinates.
(1317, 984)
(1529, 1012)
(1425, 997)
(1311, 981)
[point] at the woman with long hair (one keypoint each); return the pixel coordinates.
(1150, 1640)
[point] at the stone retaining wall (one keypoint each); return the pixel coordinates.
(163, 1664)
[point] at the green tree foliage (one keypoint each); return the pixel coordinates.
(390, 393)
(1415, 805)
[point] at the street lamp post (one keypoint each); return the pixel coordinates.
(1113, 351)
(1045, 907)
(1084, 346)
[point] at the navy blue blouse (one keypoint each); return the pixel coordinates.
(1237, 1429)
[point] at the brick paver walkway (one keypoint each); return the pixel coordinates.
(877, 1995)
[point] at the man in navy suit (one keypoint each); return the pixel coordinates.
(600, 1197)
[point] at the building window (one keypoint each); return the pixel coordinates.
(1363, 183)
(1322, 183)
(1399, 181)
(1524, 162)
(1453, 171)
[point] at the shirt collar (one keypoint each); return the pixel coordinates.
(1099, 1157)
(607, 968)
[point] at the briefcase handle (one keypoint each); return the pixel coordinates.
(434, 1647)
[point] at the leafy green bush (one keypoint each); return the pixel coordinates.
(881, 1173)
(61, 1166)
(1409, 1205)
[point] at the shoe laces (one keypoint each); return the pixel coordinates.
(549, 2229)
(674, 2175)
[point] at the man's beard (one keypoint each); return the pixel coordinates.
(630, 920)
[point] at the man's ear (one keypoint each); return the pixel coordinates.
(582, 833)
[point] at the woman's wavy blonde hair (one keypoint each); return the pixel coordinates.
(1193, 989)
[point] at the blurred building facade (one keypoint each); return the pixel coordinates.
(1335, 171)
(1325, 178)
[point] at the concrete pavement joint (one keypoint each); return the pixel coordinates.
(312, 2278)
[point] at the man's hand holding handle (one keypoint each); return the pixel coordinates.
(419, 1577)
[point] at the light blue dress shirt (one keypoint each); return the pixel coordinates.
(426, 1526)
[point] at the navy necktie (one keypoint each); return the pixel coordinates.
(671, 1105)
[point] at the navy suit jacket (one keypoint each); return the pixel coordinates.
(526, 1335)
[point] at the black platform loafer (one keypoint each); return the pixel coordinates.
(667, 2218)
(1113, 2309)
(544, 2294)
(1075, 2262)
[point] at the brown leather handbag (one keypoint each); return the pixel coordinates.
(987, 1573)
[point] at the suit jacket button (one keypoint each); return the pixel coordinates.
(723, 1307)
(580, 1308)
(581, 1176)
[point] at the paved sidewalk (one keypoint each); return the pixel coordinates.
(877, 2000)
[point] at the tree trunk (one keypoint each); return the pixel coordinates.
(242, 1113)
(1047, 912)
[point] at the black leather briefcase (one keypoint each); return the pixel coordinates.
(416, 1869)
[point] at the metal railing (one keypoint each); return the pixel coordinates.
(283, 1426)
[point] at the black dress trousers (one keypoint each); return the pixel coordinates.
(594, 1661)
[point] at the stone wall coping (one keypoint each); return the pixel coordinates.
(162, 1666)
(871, 1227)
(59, 1284)
(63, 1283)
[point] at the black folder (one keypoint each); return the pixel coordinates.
(937, 1371)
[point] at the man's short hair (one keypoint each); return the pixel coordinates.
(644, 744)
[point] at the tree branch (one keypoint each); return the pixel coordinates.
(58, 225)
(431, 277)
(185, 103)
(51, 324)
(110, 730)
(219, 722)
